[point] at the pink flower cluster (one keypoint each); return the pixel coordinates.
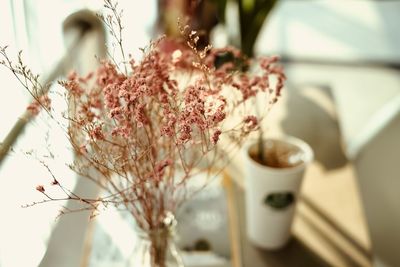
(160, 119)
(148, 115)
(141, 129)
(41, 102)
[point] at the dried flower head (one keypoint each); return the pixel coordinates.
(40, 188)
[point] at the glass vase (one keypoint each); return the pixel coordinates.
(157, 247)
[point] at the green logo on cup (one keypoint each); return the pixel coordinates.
(279, 200)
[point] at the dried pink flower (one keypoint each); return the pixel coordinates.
(251, 122)
(72, 85)
(40, 188)
(215, 137)
(96, 133)
(42, 102)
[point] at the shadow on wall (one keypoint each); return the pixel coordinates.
(310, 118)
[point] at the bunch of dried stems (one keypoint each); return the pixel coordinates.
(141, 130)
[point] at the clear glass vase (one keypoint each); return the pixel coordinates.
(157, 247)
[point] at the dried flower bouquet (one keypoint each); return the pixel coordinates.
(141, 130)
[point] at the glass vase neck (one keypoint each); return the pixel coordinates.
(156, 247)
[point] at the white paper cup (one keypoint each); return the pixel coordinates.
(271, 195)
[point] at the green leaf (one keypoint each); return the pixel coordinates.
(248, 5)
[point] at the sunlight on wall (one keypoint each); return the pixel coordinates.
(333, 30)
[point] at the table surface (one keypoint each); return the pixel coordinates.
(298, 252)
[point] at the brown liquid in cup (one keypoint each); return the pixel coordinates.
(278, 154)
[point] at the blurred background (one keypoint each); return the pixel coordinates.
(342, 96)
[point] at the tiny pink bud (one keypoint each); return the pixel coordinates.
(40, 188)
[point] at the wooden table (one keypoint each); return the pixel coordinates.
(316, 241)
